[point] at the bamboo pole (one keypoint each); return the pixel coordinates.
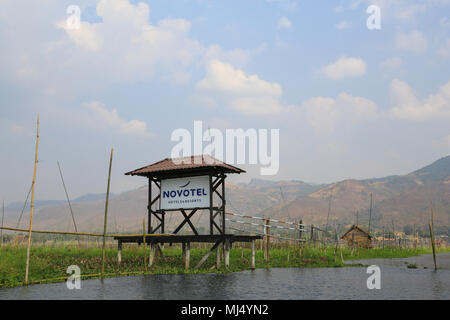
(326, 226)
(145, 244)
(432, 245)
(370, 211)
(86, 233)
(300, 234)
(67, 197)
(27, 267)
(3, 217)
(432, 214)
(106, 214)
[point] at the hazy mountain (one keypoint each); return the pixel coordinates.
(404, 199)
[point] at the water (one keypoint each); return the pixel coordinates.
(397, 282)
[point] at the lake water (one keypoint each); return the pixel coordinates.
(397, 282)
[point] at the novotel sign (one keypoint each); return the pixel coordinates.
(185, 193)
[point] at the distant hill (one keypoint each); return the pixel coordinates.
(403, 199)
(406, 199)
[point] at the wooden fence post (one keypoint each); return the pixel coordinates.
(253, 254)
(267, 240)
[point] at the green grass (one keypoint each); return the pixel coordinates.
(51, 262)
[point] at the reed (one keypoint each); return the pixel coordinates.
(51, 262)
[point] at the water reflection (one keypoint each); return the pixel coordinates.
(321, 283)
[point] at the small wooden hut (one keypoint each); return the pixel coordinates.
(357, 236)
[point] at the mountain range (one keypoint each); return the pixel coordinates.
(397, 201)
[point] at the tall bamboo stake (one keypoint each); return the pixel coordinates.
(432, 214)
(432, 245)
(328, 217)
(370, 211)
(106, 214)
(3, 217)
(67, 197)
(32, 204)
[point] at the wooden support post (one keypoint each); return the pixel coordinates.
(312, 233)
(432, 245)
(253, 254)
(267, 240)
(32, 205)
(152, 254)
(145, 244)
(227, 253)
(187, 255)
(149, 206)
(211, 212)
(218, 258)
(106, 215)
(119, 252)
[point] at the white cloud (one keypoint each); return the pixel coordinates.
(85, 37)
(284, 23)
(344, 24)
(445, 23)
(414, 41)
(338, 9)
(408, 107)
(345, 68)
(247, 94)
(392, 63)
(410, 12)
(325, 113)
(289, 5)
(236, 57)
(101, 117)
(443, 144)
(444, 51)
(20, 130)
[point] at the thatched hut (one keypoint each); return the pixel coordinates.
(357, 236)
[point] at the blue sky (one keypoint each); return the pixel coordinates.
(349, 102)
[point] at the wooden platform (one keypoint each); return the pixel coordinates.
(154, 240)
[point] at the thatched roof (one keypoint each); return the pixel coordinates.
(359, 228)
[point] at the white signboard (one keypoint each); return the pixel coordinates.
(185, 193)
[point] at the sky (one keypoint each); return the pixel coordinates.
(349, 101)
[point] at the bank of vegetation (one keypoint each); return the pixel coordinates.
(49, 263)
